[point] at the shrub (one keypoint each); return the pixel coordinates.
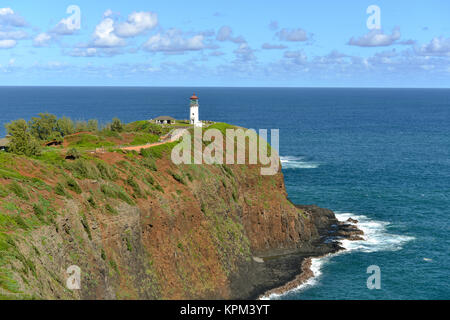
(177, 177)
(73, 185)
(92, 202)
(149, 163)
(189, 175)
(83, 169)
(159, 188)
(22, 141)
(73, 154)
(3, 192)
(59, 190)
(19, 191)
(86, 227)
(116, 192)
(110, 209)
(150, 179)
(133, 184)
(106, 171)
(108, 191)
(39, 211)
(20, 222)
(116, 125)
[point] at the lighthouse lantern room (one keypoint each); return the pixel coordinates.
(193, 114)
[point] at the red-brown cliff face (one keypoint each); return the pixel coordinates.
(142, 228)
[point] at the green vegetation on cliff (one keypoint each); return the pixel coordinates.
(138, 226)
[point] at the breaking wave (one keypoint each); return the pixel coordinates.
(376, 238)
(290, 162)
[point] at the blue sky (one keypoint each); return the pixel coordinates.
(225, 43)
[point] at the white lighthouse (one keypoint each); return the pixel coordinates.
(193, 112)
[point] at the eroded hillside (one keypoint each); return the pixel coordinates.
(138, 226)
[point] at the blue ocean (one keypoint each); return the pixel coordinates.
(381, 156)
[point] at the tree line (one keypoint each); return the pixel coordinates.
(27, 138)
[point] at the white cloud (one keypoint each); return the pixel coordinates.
(83, 52)
(173, 41)
(104, 36)
(376, 38)
(6, 11)
(273, 25)
(9, 17)
(13, 34)
(295, 35)
(41, 40)
(7, 44)
(136, 24)
(437, 47)
(108, 13)
(269, 46)
(225, 33)
(244, 53)
(298, 57)
(64, 27)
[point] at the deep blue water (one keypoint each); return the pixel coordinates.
(380, 154)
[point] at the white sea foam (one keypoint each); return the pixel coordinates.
(289, 162)
(376, 238)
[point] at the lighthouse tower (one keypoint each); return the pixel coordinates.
(193, 115)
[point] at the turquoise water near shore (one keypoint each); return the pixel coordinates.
(380, 155)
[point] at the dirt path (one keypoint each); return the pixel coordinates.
(174, 136)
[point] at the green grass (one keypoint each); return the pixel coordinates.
(60, 190)
(83, 169)
(86, 227)
(19, 191)
(90, 141)
(221, 126)
(3, 191)
(149, 163)
(144, 138)
(51, 156)
(116, 192)
(106, 171)
(110, 209)
(177, 177)
(133, 184)
(10, 174)
(73, 185)
(158, 152)
(92, 202)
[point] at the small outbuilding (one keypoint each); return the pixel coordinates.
(164, 120)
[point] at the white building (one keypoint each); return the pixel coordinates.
(193, 115)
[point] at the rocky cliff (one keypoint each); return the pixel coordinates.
(140, 227)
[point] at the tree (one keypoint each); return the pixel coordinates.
(92, 125)
(43, 126)
(81, 126)
(65, 126)
(22, 141)
(116, 125)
